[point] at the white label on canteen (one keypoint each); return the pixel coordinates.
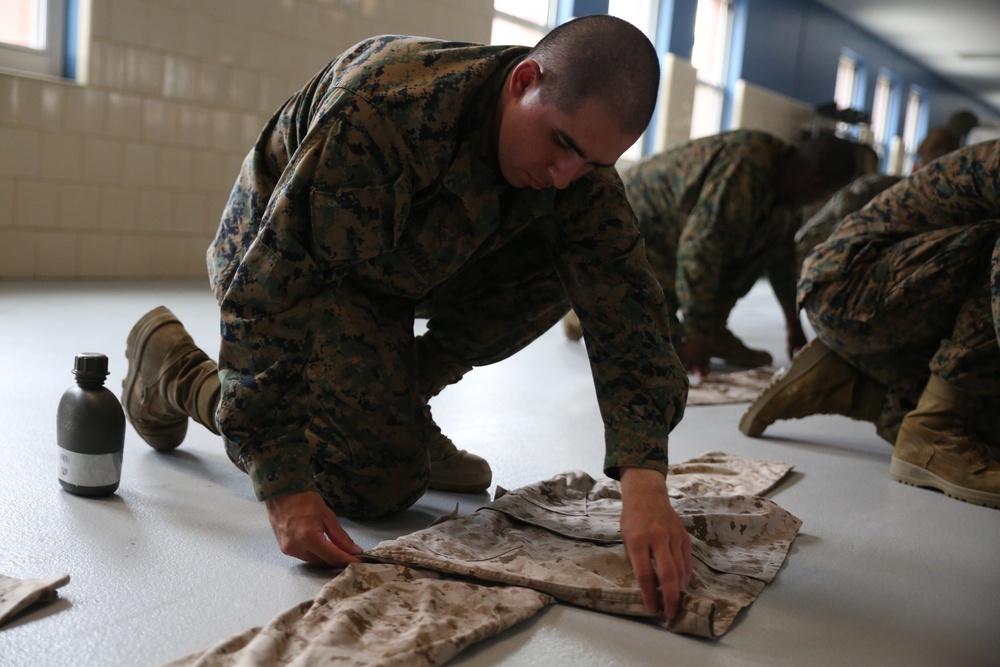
(89, 469)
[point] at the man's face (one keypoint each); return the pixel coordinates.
(540, 146)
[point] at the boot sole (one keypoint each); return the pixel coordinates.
(807, 358)
(160, 437)
(465, 485)
(908, 473)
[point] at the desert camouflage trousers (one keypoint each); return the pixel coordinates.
(921, 306)
(16, 595)
(553, 540)
(374, 614)
(368, 378)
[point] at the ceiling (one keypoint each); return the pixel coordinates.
(957, 39)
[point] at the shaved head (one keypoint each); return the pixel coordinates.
(603, 57)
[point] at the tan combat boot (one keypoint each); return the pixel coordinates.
(819, 381)
(454, 469)
(937, 449)
(169, 379)
(571, 326)
(727, 346)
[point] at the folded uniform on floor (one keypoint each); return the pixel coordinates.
(16, 595)
(554, 540)
(562, 537)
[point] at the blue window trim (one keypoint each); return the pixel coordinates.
(71, 39)
(734, 69)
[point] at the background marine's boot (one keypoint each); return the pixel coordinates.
(936, 448)
(727, 346)
(169, 379)
(571, 326)
(819, 381)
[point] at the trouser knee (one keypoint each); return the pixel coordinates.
(436, 368)
(367, 481)
(372, 497)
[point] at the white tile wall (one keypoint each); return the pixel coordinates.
(125, 175)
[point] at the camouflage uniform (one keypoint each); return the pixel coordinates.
(902, 288)
(845, 201)
(16, 595)
(562, 537)
(713, 225)
(373, 196)
(373, 614)
(556, 539)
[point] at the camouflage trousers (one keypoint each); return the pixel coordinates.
(553, 540)
(845, 201)
(662, 242)
(921, 306)
(366, 383)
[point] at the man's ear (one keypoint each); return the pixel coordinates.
(526, 74)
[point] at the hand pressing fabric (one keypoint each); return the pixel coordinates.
(656, 541)
(307, 529)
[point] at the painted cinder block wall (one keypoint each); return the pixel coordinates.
(124, 175)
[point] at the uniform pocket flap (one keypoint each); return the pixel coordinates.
(352, 225)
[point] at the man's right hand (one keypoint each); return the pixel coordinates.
(307, 529)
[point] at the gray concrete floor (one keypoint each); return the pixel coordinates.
(182, 556)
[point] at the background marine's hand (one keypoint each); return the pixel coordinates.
(307, 529)
(694, 355)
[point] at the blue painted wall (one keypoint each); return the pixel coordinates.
(792, 47)
(679, 31)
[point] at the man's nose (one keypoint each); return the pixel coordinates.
(566, 169)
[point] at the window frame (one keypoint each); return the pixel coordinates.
(51, 59)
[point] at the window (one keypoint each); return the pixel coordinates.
(713, 26)
(637, 12)
(846, 91)
(885, 110)
(641, 14)
(518, 22)
(33, 36)
(849, 93)
(914, 124)
(881, 108)
(522, 22)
